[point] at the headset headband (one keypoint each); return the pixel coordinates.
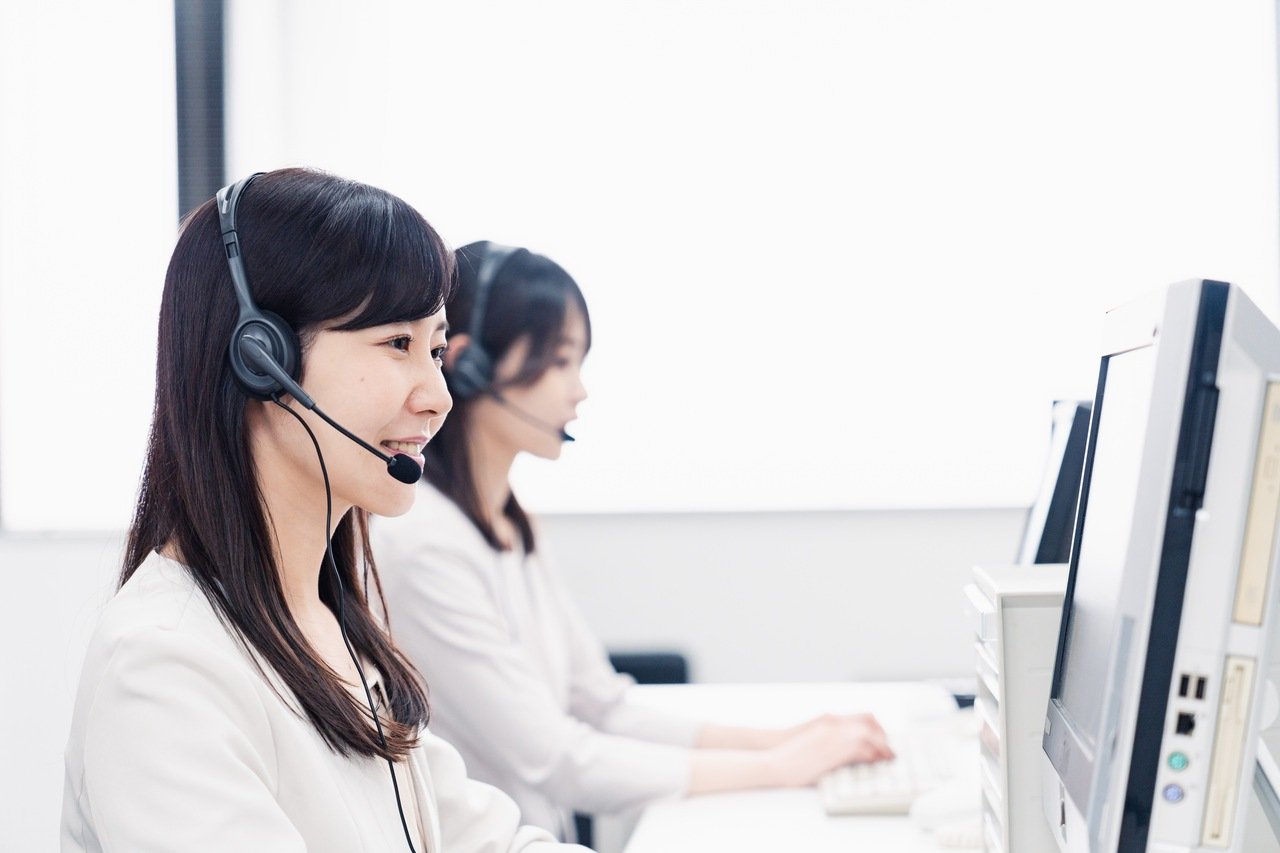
(495, 257)
(257, 333)
(227, 200)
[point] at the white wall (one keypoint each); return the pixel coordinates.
(54, 589)
(786, 596)
(791, 218)
(780, 212)
(749, 597)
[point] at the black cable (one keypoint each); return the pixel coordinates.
(342, 611)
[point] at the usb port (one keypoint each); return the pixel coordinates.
(1186, 723)
(1200, 685)
(1184, 686)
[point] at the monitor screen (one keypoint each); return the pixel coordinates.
(1121, 424)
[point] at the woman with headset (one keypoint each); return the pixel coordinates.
(238, 693)
(520, 685)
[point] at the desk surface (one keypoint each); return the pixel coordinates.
(787, 819)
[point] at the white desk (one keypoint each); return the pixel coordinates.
(789, 819)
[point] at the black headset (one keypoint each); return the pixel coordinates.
(257, 333)
(472, 371)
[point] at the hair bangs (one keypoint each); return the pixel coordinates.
(404, 273)
(362, 257)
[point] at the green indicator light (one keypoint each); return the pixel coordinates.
(1178, 761)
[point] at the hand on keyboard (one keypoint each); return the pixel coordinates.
(927, 757)
(830, 741)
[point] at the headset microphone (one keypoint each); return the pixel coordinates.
(256, 356)
(529, 418)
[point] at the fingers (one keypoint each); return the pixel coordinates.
(877, 746)
(877, 734)
(871, 721)
(834, 739)
(867, 729)
(862, 743)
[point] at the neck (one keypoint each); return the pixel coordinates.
(294, 503)
(491, 462)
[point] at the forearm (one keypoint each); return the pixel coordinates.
(739, 737)
(800, 757)
(715, 770)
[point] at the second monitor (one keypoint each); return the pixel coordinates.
(1047, 535)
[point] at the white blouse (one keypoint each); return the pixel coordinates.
(179, 741)
(516, 679)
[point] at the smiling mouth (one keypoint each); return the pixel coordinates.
(410, 448)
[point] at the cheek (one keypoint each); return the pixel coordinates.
(372, 401)
(549, 390)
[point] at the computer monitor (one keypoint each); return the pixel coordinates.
(1150, 729)
(1051, 520)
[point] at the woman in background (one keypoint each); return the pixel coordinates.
(221, 706)
(520, 685)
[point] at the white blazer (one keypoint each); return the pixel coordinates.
(518, 682)
(179, 742)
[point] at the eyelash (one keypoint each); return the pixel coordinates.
(437, 354)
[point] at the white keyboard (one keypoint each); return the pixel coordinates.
(925, 759)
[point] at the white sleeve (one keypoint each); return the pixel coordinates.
(177, 754)
(503, 711)
(475, 817)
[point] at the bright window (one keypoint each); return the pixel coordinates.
(88, 215)
(838, 255)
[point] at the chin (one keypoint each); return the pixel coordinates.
(551, 451)
(392, 503)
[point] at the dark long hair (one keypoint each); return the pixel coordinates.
(528, 299)
(316, 248)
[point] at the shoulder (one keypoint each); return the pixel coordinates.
(161, 615)
(161, 596)
(433, 557)
(161, 659)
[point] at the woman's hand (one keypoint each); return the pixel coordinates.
(736, 758)
(827, 742)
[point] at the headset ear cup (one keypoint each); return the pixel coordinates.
(277, 338)
(472, 373)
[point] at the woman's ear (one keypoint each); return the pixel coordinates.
(457, 343)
